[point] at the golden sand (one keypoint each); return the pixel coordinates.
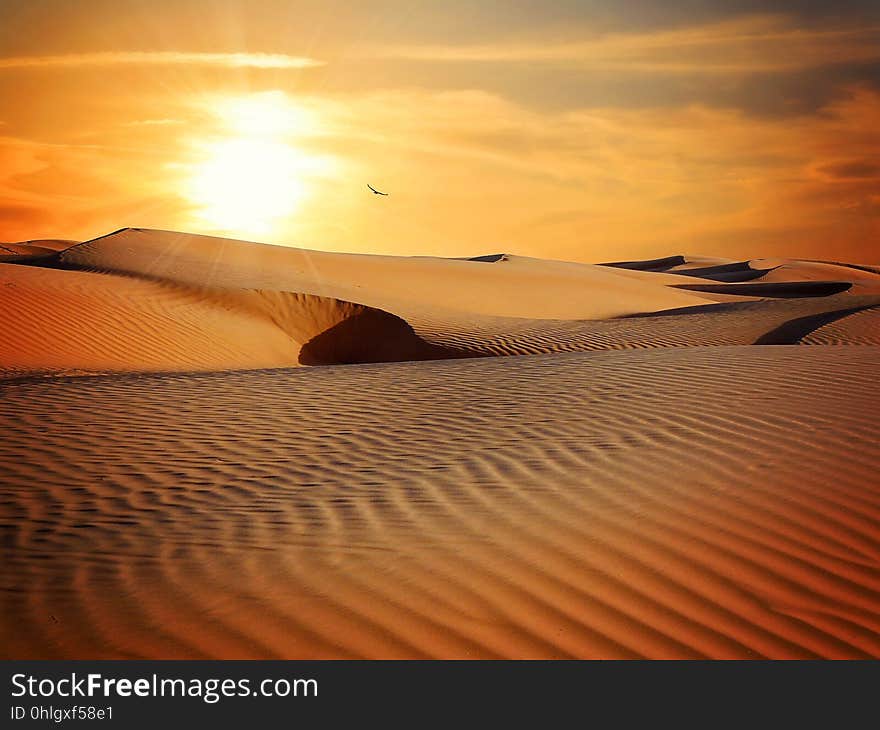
(528, 458)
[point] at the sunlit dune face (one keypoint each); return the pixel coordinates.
(253, 176)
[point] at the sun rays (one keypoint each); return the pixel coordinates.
(255, 174)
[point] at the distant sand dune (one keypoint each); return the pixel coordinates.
(141, 300)
(661, 264)
(679, 503)
(740, 271)
(52, 244)
(741, 323)
(864, 279)
(789, 272)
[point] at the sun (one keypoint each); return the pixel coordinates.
(254, 175)
(270, 113)
(247, 185)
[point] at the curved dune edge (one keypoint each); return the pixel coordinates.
(79, 322)
(591, 505)
(370, 336)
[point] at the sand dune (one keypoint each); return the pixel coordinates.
(862, 279)
(62, 321)
(141, 300)
(670, 459)
(680, 503)
(661, 264)
(857, 328)
(739, 271)
(518, 288)
(739, 323)
(71, 320)
(52, 244)
(36, 250)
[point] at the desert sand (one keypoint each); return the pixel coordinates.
(217, 448)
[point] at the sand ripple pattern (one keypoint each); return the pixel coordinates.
(858, 328)
(740, 323)
(701, 502)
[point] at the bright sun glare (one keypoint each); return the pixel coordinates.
(254, 177)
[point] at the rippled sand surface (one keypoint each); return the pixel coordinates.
(671, 502)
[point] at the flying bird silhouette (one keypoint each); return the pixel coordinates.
(377, 192)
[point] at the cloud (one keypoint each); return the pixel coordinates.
(588, 184)
(51, 190)
(20, 216)
(163, 122)
(612, 183)
(753, 44)
(852, 170)
(142, 58)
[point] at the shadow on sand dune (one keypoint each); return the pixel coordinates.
(373, 336)
(781, 289)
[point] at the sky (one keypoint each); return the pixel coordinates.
(581, 130)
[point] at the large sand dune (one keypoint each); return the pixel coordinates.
(142, 300)
(679, 459)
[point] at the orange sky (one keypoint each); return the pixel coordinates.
(572, 130)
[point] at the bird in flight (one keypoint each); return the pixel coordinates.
(377, 192)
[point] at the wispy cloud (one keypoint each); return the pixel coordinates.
(588, 184)
(749, 44)
(165, 122)
(143, 58)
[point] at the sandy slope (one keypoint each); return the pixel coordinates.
(686, 502)
(62, 320)
(78, 321)
(520, 288)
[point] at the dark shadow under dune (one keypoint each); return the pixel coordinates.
(489, 258)
(794, 330)
(373, 336)
(727, 273)
(774, 290)
(650, 264)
